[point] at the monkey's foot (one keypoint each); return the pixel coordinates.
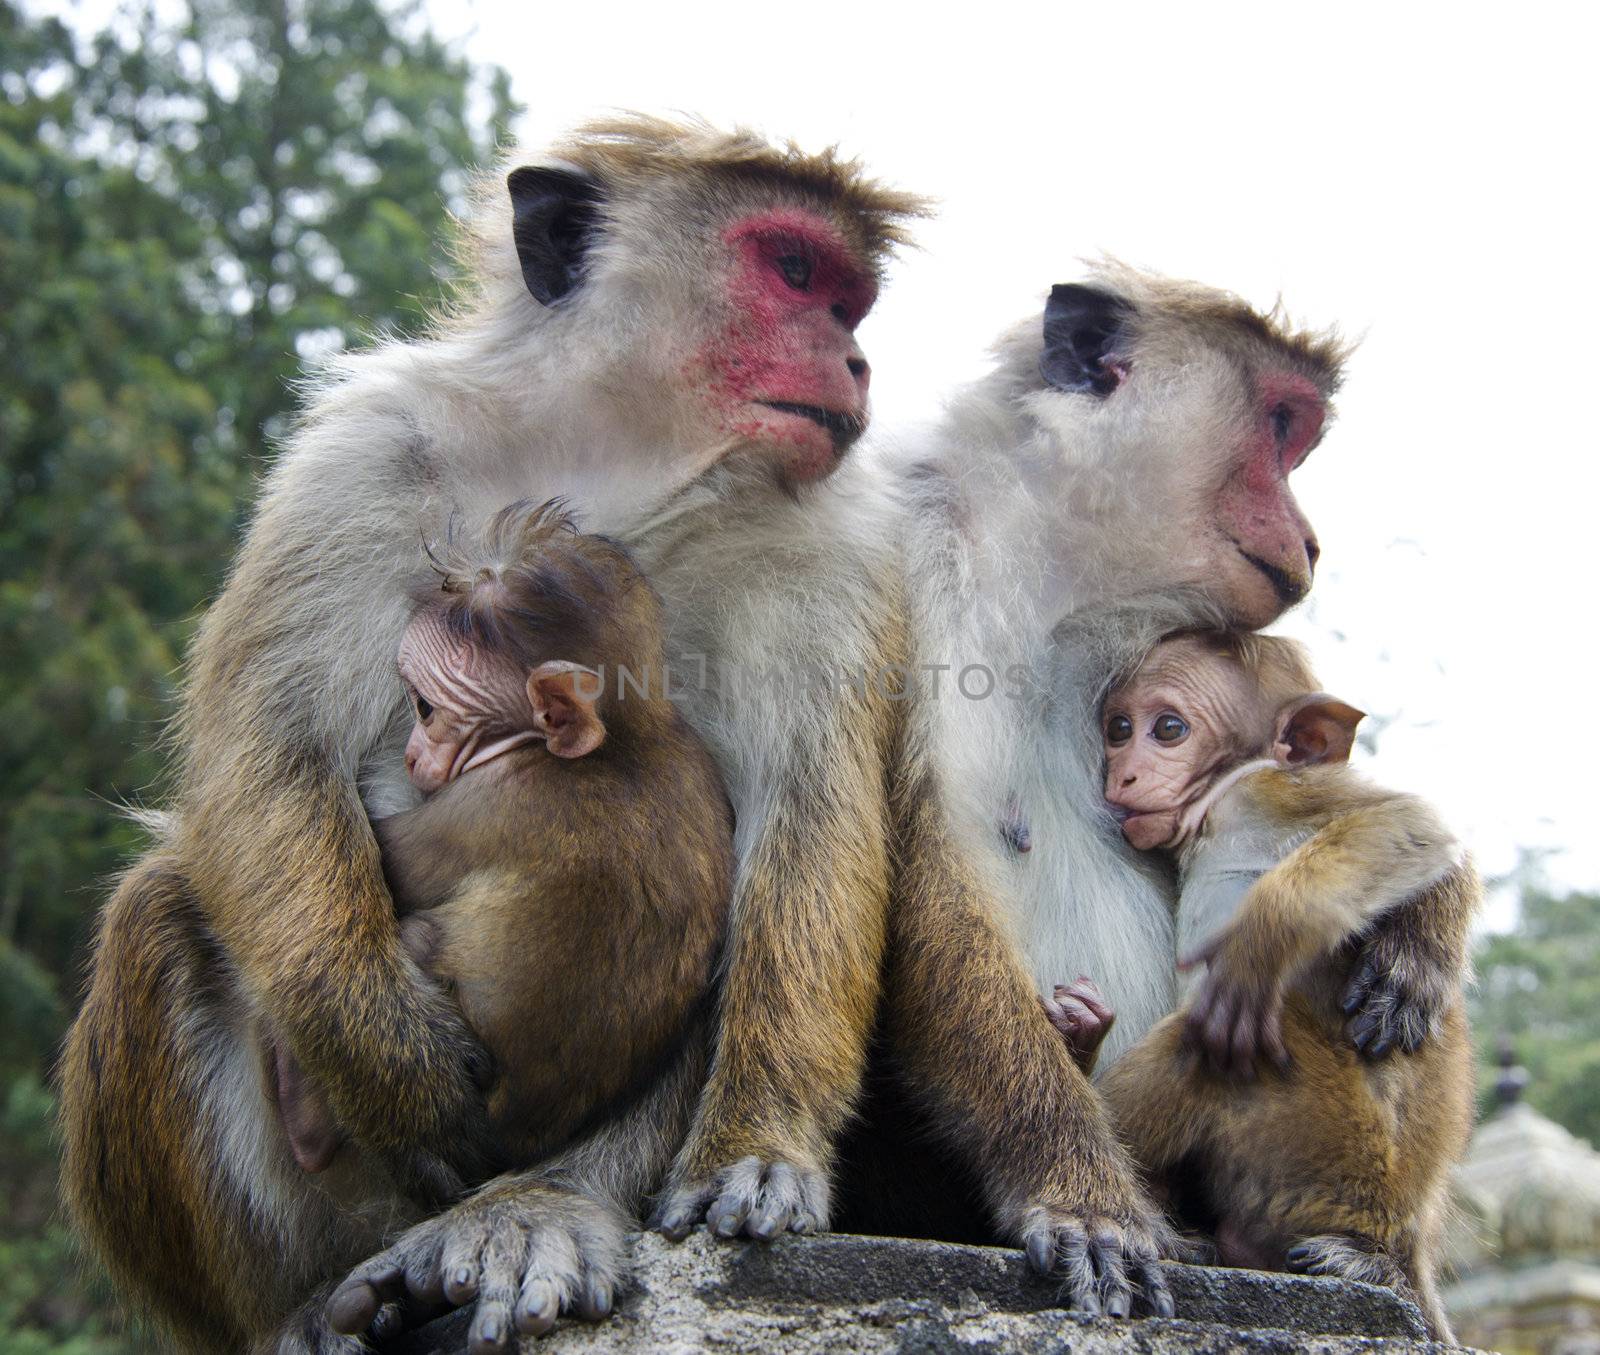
(753, 1197)
(1100, 1258)
(526, 1251)
(1347, 1258)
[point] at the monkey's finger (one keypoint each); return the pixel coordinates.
(776, 1202)
(499, 1284)
(596, 1299)
(1366, 1028)
(1217, 1035)
(1088, 993)
(355, 1304)
(404, 1315)
(740, 1183)
(538, 1306)
(1105, 1251)
(1360, 985)
(460, 1263)
(1039, 1242)
(1244, 1047)
(1077, 1269)
(1152, 1276)
(424, 1279)
(681, 1209)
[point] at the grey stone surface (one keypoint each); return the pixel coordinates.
(842, 1294)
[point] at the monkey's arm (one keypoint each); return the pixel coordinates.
(1372, 851)
(1004, 1087)
(287, 692)
(1362, 861)
(800, 981)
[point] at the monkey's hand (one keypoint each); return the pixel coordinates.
(757, 1197)
(1103, 1246)
(1401, 983)
(1080, 1012)
(1235, 1019)
(527, 1251)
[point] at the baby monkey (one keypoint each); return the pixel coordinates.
(1221, 750)
(569, 874)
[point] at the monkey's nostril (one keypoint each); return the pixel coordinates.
(858, 367)
(1313, 551)
(839, 313)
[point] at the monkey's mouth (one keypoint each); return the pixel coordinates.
(1289, 589)
(844, 429)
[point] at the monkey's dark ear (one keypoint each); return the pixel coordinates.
(1081, 329)
(1316, 728)
(563, 696)
(554, 215)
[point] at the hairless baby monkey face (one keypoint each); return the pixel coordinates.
(473, 703)
(1201, 706)
(1169, 730)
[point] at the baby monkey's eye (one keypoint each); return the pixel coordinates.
(1119, 729)
(1169, 728)
(796, 270)
(424, 708)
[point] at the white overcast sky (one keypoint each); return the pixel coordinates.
(1424, 176)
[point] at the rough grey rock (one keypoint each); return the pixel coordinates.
(843, 1295)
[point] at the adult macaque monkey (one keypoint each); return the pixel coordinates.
(1221, 751)
(654, 307)
(1123, 472)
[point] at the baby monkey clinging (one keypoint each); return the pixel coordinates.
(568, 875)
(1221, 749)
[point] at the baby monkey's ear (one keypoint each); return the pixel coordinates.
(1315, 728)
(563, 696)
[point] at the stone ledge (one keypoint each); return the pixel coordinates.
(842, 1294)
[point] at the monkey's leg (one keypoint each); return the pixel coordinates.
(535, 1244)
(1163, 1105)
(965, 1021)
(799, 987)
(175, 1168)
(1409, 966)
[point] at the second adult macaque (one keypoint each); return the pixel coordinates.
(1220, 749)
(569, 873)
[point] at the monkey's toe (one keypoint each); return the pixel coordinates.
(753, 1198)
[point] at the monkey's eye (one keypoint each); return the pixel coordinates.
(424, 708)
(1282, 422)
(796, 270)
(1169, 728)
(1119, 729)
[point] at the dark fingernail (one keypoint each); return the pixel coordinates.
(489, 1332)
(1041, 1254)
(1298, 1253)
(1382, 1047)
(1162, 1305)
(1117, 1305)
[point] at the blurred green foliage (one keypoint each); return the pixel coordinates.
(1539, 986)
(192, 204)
